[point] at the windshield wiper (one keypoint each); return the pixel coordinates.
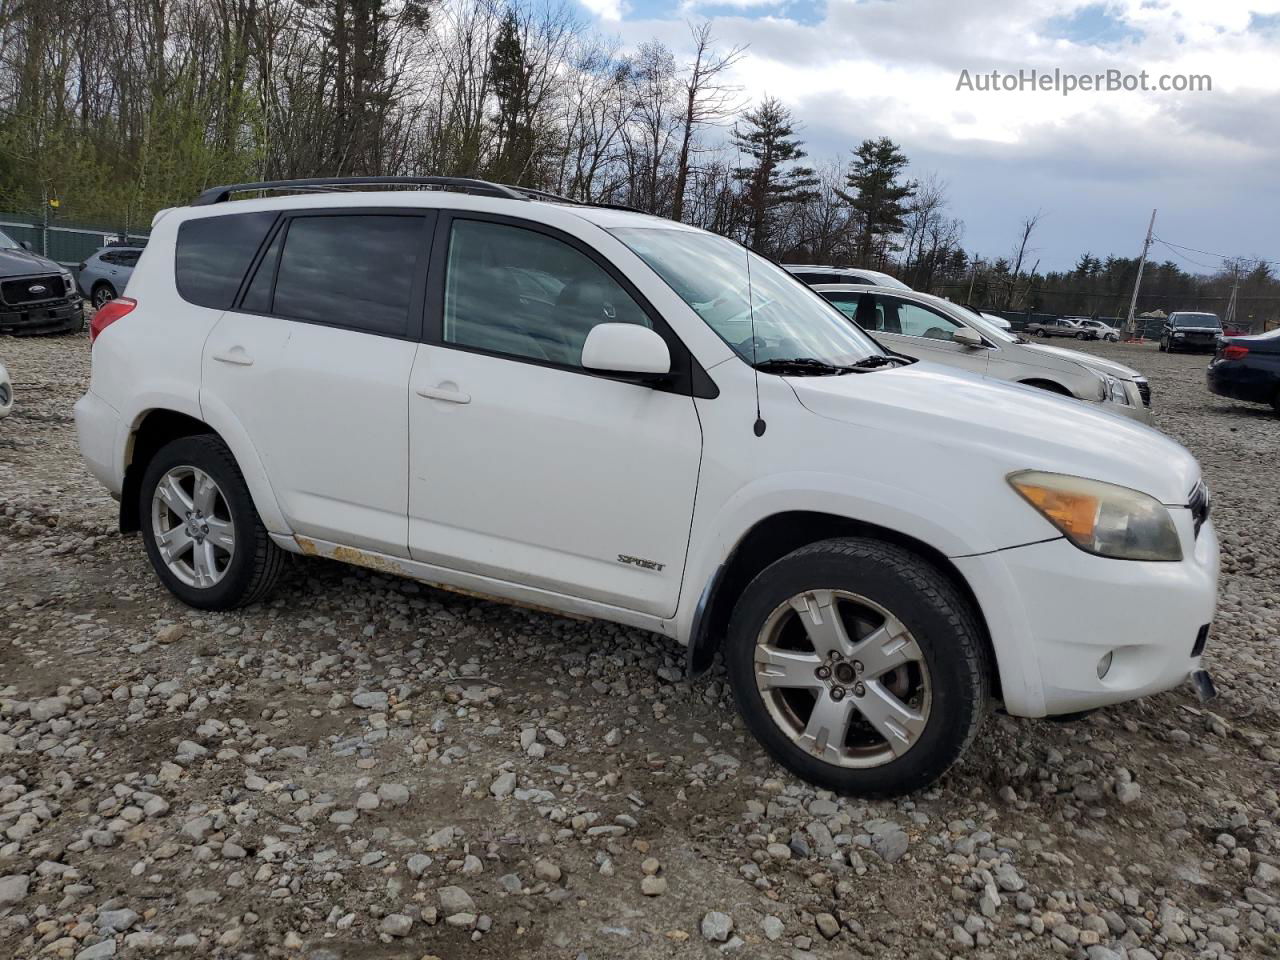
(878, 360)
(804, 366)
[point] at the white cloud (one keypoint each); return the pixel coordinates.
(878, 67)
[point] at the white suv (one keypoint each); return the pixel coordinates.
(605, 413)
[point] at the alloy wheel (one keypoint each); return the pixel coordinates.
(102, 296)
(192, 524)
(843, 678)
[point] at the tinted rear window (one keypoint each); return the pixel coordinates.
(213, 254)
(352, 270)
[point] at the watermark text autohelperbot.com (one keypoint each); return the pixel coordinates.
(1066, 83)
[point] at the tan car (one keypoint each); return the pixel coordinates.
(929, 328)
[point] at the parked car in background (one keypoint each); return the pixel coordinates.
(931, 328)
(877, 547)
(1247, 368)
(104, 275)
(1061, 327)
(1185, 330)
(993, 319)
(1104, 331)
(6, 392)
(36, 294)
(812, 273)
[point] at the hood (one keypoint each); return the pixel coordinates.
(1101, 364)
(20, 263)
(996, 428)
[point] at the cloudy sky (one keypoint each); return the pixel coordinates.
(1094, 163)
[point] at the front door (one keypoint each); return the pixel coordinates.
(524, 467)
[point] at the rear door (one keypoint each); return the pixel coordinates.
(525, 467)
(314, 359)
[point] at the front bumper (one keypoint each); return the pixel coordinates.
(1133, 410)
(99, 429)
(59, 316)
(1054, 611)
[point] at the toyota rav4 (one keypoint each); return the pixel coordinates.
(609, 414)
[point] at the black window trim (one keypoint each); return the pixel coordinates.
(413, 320)
(688, 377)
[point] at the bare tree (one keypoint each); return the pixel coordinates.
(707, 101)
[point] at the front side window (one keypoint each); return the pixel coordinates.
(348, 270)
(755, 306)
(914, 320)
(523, 293)
(214, 252)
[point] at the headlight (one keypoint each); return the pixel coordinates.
(1114, 390)
(1177, 335)
(1102, 518)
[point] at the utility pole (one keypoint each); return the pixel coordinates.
(1131, 326)
(1229, 320)
(973, 275)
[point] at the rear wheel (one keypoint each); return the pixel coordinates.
(1042, 334)
(1082, 336)
(858, 666)
(202, 534)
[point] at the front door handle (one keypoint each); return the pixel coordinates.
(235, 355)
(447, 392)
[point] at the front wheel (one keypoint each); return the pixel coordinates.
(102, 294)
(202, 533)
(858, 666)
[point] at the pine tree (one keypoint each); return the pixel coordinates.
(880, 200)
(767, 137)
(509, 72)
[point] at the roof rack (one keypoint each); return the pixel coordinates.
(466, 184)
(483, 188)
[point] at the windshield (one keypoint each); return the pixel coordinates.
(1195, 320)
(710, 274)
(7, 242)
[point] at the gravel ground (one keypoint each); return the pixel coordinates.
(365, 767)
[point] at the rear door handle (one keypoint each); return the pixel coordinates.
(235, 355)
(449, 394)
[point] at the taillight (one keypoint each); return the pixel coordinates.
(1234, 351)
(109, 313)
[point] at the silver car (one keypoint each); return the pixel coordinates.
(929, 328)
(814, 274)
(103, 275)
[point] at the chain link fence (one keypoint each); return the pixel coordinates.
(65, 242)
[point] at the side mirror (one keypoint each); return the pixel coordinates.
(25, 244)
(627, 349)
(968, 338)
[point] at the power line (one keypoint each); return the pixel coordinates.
(1220, 256)
(1183, 256)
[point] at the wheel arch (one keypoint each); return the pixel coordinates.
(776, 536)
(158, 426)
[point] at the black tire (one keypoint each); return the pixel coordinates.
(1082, 336)
(256, 564)
(1042, 334)
(102, 292)
(940, 620)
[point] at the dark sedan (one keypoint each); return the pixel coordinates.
(1248, 368)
